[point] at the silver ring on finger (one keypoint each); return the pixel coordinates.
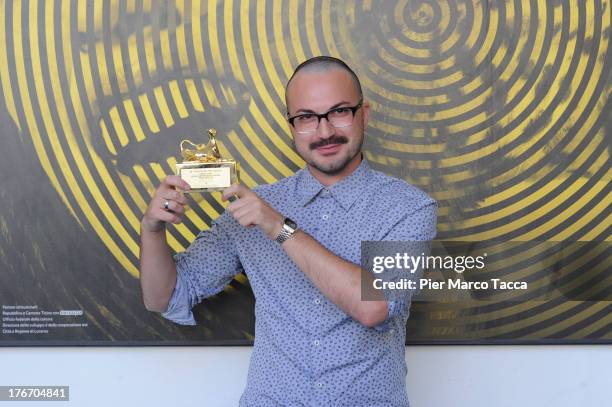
(167, 205)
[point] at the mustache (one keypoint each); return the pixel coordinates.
(327, 141)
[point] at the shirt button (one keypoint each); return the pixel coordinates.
(317, 301)
(325, 217)
(319, 385)
(316, 342)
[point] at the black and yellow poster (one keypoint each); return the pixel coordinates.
(499, 109)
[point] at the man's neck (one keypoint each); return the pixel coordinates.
(331, 179)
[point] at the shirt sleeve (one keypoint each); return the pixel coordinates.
(204, 269)
(418, 225)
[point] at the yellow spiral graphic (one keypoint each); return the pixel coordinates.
(499, 109)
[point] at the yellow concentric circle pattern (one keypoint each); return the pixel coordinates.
(499, 109)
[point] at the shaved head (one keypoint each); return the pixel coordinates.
(322, 64)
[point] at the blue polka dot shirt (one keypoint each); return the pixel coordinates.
(307, 351)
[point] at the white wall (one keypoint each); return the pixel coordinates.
(439, 376)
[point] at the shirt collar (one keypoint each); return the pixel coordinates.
(345, 191)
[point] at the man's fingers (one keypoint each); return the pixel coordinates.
(167, 216)
(167, 205)
(236, 205)
(236, 189)
(241, 213)
(176, 182)
(174, 195)
(245, 217)
(173, 206)
(229, 191)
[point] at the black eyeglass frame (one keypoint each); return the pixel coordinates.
(353, 110)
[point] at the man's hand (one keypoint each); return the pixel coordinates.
(250, 210)
(167, 205)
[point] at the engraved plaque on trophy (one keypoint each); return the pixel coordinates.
(203, 168)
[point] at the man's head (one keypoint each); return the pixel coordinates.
(317, 86)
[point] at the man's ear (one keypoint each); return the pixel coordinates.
(366, 112)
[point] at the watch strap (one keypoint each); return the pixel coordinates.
(288, 229)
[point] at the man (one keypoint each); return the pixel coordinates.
(316, 342)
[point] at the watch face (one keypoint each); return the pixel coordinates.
(290, 223)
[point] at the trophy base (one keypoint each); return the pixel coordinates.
(208, 177)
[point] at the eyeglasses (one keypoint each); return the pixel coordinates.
(338, 117)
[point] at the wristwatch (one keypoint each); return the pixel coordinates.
(288, 229)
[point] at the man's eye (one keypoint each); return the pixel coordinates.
(341, 111)
(305, 118)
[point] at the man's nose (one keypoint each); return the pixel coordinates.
(325, 129)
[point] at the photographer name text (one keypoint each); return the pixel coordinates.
(449, 284)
